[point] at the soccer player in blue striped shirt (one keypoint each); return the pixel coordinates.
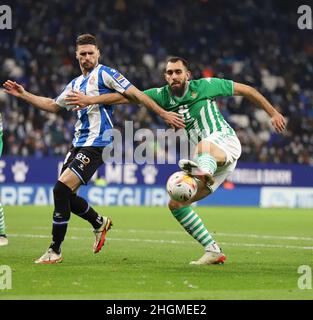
(85, 154)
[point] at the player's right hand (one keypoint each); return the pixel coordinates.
(278, 122)
(78, 99)
(13, 88)
(174, 120)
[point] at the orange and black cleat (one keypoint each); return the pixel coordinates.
(101, 234)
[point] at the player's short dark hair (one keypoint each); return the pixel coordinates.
(175, 59)
(86, 39)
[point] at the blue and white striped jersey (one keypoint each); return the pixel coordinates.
(94, 120)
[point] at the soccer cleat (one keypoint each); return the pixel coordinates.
(101, 233)
(192, 168)
(210, 258)
(3, 241)
(49, 257)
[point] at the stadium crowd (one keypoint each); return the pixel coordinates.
(256, 43)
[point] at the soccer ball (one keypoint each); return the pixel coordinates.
(181, 187)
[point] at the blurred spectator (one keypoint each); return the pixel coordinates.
(257, 43)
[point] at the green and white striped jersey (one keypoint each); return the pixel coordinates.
(198, 106)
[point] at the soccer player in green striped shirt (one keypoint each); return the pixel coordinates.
(3, 238)
(217, 146)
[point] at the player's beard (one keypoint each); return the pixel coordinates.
(88, 66)
(178, 91)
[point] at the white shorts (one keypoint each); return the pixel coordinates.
(230, 144)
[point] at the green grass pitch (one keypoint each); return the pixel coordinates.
(147, 255)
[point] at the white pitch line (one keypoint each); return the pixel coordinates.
(263, 245)
(224, 234)
(257, 236)
(238, 244)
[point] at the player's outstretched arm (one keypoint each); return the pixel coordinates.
(132, 94)
(81, 100)
(277, 119)
(42, 103)
(173, 119)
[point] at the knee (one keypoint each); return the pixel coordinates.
(175, 205)
(61, 190)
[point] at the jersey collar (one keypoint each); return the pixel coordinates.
(85, 77)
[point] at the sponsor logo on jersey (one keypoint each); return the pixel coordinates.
(121, 79)
(118, 77)
(172, 102)
(82, 158)
(194, 95)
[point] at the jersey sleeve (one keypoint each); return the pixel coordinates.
(60, 100)
(114, 80)
(215, 87)
(155, 94)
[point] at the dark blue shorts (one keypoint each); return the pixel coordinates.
(83, 161)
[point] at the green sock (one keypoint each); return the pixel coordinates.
(2, 225)
(192, 223)
(206, 163)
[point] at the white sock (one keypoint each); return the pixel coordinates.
(213, 247)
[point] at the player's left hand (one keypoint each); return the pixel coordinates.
(278, 122)
(173, 120)
(78, 99)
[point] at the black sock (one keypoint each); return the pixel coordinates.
(61, 214)
(80, 207)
